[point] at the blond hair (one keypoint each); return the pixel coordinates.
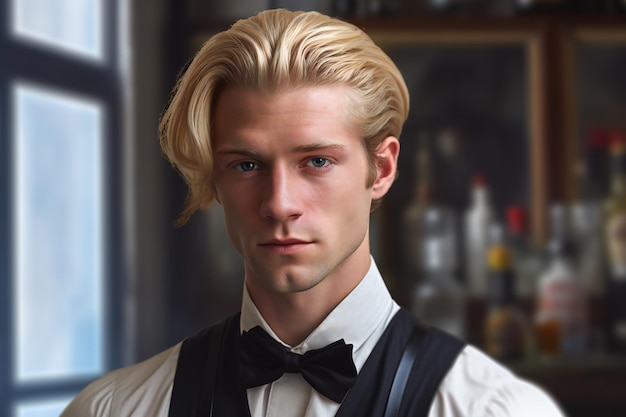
(279, 49)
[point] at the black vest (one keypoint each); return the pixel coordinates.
(400, 377)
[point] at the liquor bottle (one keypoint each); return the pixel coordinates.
(413, 216)
(561, 314)
(507, 334)
(527, 260)
(439, 299)
(615, 241)
(478, 220)
(587, 231)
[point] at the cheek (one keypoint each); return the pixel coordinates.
(233, 197)
(237, 211)
(236, 230)
(349, 203)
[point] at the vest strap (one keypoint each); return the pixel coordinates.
(425, 360)
(196, 372)
(428, 356)
(402, 373)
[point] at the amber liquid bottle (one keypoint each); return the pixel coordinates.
(506, 327)
(615, 243)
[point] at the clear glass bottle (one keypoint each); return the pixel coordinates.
(413, 216)
(439, 299)
(587, 231)
(527, 259)
(561, 316)
(478, 220)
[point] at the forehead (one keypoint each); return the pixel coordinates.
(251, 101)
(320, 109)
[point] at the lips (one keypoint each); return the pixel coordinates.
(285, 246)
(285, 242)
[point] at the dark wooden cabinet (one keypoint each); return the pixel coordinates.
(591, 386)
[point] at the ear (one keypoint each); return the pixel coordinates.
(386, 166)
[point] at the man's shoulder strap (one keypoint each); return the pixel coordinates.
(426, 359)
(197, 369)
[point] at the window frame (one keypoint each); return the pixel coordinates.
(101, 80)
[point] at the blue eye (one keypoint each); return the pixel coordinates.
(246, 166)
(318, 162)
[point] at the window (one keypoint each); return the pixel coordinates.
(61, 270)
(57, 221)
(71, 25)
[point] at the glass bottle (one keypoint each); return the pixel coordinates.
(439, 299)
(478, 220)
(615, 243)
(527, 261)
(507, 334)
(587, 231)
(561, 315)
(413, 216)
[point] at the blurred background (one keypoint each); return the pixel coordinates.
(506, 226)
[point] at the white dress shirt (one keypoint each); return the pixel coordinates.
(475, 386)
(360, 319)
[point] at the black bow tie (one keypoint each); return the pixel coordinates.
(329, 370)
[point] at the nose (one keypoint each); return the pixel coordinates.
(281, 196)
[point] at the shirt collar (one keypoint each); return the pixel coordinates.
(354, 319)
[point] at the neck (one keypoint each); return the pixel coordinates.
(295, 315)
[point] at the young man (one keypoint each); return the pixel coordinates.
(291, 121)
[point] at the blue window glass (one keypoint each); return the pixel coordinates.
(71, 25)
(41, 408)
(58, 235)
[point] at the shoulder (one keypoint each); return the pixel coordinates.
(476, 385)
(144, 388)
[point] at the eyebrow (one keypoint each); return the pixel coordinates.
(319, 147)
(238, 151)
(313, 147)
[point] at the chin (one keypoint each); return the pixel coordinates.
(292, 283)
(293, 279)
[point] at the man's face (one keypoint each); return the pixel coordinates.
(290, 173)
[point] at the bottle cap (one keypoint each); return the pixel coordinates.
(516, 218)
